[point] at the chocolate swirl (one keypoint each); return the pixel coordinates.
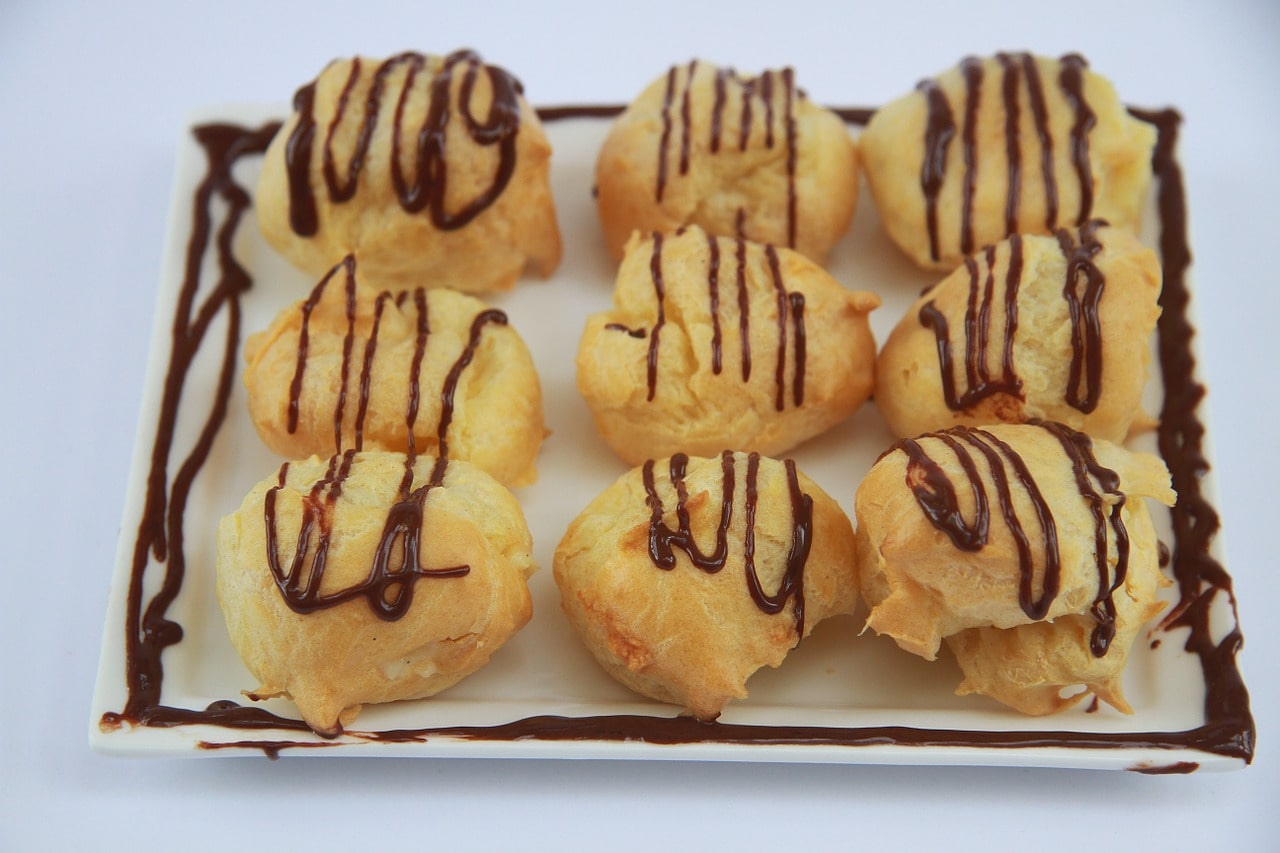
(663, 540)
(766, 89)
(388, 586)
(940, 128)
(790, 315)
(1099, 487)
(427, 187)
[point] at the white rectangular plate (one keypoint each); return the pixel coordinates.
(839, 697)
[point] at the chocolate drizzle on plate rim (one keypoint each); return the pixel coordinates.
(158, 558)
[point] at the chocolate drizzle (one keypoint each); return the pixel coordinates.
(977, 332)
(936, 496)
(389, 585)
(1228, 728)
(789, 309)
(160, 533)
(940, 128)
(768, 88)
(427, 188)
(397, 565)
(663, 540)
(364, 385)
(1082, 289)
(1099, 488)
(1086, 326)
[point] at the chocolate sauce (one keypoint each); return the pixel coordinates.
(1086, 326)
(660, 293)
(419, 296)
(1082, 289)
(1094, 481)
(667, 98)
(619, 327)
(790, 316)
(663, 540)
(940, 128)
(1228, 729)
(937, 499)
(427, 187)
(977, 332)
(713, 295)
(1072, 81)
(971, 68)
(160, 533)
(679, 86)
(1012, 141)
(1099, 488)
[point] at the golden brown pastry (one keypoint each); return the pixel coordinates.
(716, 342)
(352, 367)
(371, 577)
(688, 574)
(1004, 145)
(433, 169)
(740, 157)
(1029, 548)
(1031, 328)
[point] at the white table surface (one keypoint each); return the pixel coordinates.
(92, 97)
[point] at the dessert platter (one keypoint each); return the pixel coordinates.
(647, 432)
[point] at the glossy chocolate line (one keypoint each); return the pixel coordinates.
(763, 87)
(665, 138)
(789, 128)
(1200, 577)
(780, 361)
(1040, 114)
(977, 332)
(663, 540)
(413, 389)
(717, 106)
(1086, 325)
(744, 303)
(936, 497)
(1228, 729)
(713, 295)
(660, 294)
(972, 70)
(619, 327)
(796, 300)
(682, 730)
(1012, 141)
(686, 122)
(1072, 81)
(160, 531)
(428, 187)
(1088, 471)
(790, 315)
(339, 190)
(422, 333)
(940, 127)
(366, 368)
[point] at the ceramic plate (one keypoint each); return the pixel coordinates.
(839, 697)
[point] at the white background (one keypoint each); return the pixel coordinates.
(92, 98)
